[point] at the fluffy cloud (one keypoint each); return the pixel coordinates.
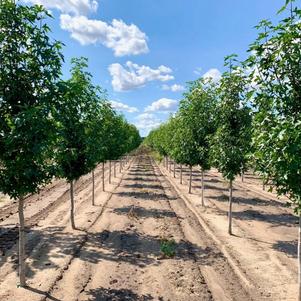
(77, 7)
(214, 74)
(146, 122)
(133, 76)
(122, 38)
(162, 105)
(123, 107)
(173, 88)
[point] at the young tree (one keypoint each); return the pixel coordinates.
(197, 110)
(30, 66)
(75, 117)
(183, 146)
(231, 142)
(276, 61)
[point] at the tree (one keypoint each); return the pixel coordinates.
(231, 142)
(75, 117)
(276, 61)
(29, 70)
(197, 110)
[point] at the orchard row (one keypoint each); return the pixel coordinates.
(250, 117)
(49, 127)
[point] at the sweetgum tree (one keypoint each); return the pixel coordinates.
(197, 110)
(276, 65)
(75, 117)
(231, 141)
(30, 66)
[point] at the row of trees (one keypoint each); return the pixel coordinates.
(49, 127)
(212, 128)
(252, 115)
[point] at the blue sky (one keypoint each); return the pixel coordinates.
(144, 51)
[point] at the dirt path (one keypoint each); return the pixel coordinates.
(264, 244)
(117, 254)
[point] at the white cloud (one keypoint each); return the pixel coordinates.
(123, 107)
(162, 105)
(146, 122)
(214, 74)
(77, 7)
(198, 71)
(122, 38)
(173, 88)
(133, 76)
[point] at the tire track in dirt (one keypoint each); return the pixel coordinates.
(9, 236)
(223, 281)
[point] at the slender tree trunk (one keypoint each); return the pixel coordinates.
(120, 167)
(170, 162)
(103, 176)
(174, 169)
(72, 205)
(114, 169)
(181, 174)
(110, 172)
(203, 188)
(93, 188)
(263, 186)
(242, 174)
(190, 179)
(21, 243)
(230, 208)
(299, 260)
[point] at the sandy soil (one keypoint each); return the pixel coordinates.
(264, 244)
(116, 253)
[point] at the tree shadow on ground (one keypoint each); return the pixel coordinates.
(144, 195)
(144, 174)
(127, 246)
(141, 212)
(212, 187)
(143, 186)
(138, 179)
(284, 219)
(290, 248)
(109, 294)
(250, 201)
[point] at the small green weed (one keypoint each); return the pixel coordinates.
(167, 247)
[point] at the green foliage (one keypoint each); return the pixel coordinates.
(197, 111)
(231, 141)
(75, 116)
(168, 247)
(29, 71)
(276, 61)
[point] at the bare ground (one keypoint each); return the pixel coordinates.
(115, 254)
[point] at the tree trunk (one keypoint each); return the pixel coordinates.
(114, 169)
(72, 205)
(230, 208)
(203, 188)
(170, 162)
(242, 175)
(174, 169)
(190, 179)
(110, 172)
(120, 167)
(299, 260)
(181, 176)
(21, 244)
(93, 188)
(103, 176)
